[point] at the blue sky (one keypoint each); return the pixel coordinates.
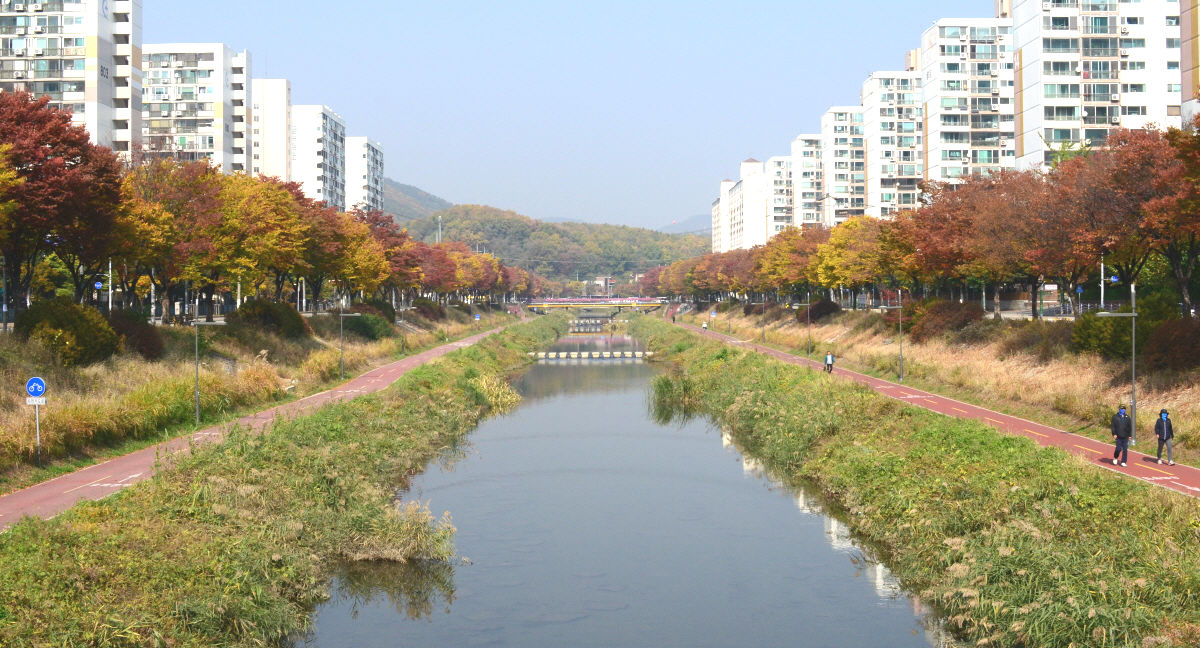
(608, 112)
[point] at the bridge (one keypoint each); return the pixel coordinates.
(619, 303)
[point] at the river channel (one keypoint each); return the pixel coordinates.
(583, 522)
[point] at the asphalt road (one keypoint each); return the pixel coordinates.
(1184, 479)
(47, 499)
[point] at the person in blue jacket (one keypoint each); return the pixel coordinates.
(1165, 433)
(1122, 429)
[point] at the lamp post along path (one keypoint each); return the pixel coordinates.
(197, 324)
(1132, 355)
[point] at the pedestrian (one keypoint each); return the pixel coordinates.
(829, 362)
(1165, 433)
(1122, 429)
(672, 318)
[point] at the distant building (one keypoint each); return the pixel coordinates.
(892, 131)
(195, 102)
(271, 128)
(364, 173)
(967, 76)
(83, 54)
(808, 183)
(844, 159)
(318, 141)
(1084, 68)
(1189, 19)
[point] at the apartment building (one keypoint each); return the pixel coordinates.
(779, 215)
(968, 89)
(720, 218)
(808, 180)
(1083, 67)
(1189, 25)
(271, 128)
(892, 141)
(318, 142)
(843, 164)
(85, 55)
(196, 100)
(364, 173)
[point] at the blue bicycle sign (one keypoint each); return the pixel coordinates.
(35, 387)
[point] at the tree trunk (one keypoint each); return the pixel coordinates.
(1033, 299)
(996, 300)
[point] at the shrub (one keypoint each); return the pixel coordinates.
(277, 318)
(819, 309)
(137, 334)
(76, 334)
(370, 327)
(1043, 339)
(429, 309)
(375, 307)
(1110, 337)
(984, 331)
(1175, 345)
(942, 316)
(727, 305)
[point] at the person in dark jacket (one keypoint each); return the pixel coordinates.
(1165, 433)
(1122, 429)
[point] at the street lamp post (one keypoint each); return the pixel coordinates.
(341, 344)
(899, 308)
(197, 324)
(808, 323)
(1132, 355)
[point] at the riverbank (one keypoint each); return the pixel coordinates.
(233, 545)
(1020, 368)
(1012, 544)
(128, 403)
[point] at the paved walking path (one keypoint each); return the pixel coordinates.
(1184, 479)
(47, 499)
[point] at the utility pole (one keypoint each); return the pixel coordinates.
(110, 286)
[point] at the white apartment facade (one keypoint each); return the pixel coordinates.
(364, 173)
(196, 102)
(1083, 67)
(271, 128)
(318, 141)
(780, 211)
(844, 164)
(892, 137)
(83, 54)
(808, 184)
(968, 89)
(720, 218)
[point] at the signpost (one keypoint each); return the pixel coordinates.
(36, 388)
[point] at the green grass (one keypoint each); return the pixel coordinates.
(234, 544)
(1014, 545)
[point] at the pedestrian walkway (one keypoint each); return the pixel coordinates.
(47, 499)
(1184, 479)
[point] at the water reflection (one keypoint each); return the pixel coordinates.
(412, 589)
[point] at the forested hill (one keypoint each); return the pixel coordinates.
(406, 202)
(559, 251)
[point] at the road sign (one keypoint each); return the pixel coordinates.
(35, 400)
(476, 317)
(98, 285)
(1115, 278)
(1079, 289)
(35, 387)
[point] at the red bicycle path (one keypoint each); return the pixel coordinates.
(49, 498)
(1180, 478)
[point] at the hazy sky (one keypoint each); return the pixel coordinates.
(612, 111)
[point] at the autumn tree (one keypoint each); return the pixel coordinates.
(1174, 219)
(853, 257)
(56, 166)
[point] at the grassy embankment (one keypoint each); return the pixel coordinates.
(1021, 368)
(127, 402)
(1014, 545)
(234, 545)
